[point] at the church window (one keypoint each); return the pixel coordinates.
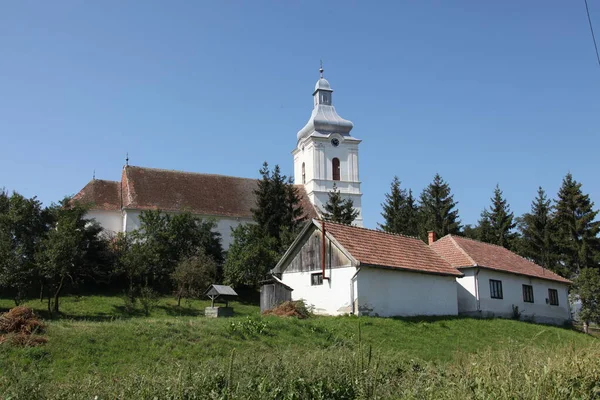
(303, 174)
(335, 167)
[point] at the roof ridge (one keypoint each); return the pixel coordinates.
(191, 173)
(374, 230)
(503, 248)
(463, 251)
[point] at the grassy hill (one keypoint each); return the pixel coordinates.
(96, 349)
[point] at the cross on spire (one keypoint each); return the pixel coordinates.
(321, 69)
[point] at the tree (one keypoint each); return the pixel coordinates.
(586, 289)
(437, 209)
(576, 228)
(496, 225)
(338, 209)
(22, 225)
(193, 275)
(250, 257)
(537, 241)
(71, 251)
(278, 209)
(162, 241)
(400, 212)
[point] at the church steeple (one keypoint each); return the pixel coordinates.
(326, 154)
(324, 119)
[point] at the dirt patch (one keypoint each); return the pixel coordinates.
(21, 327)
(290, 309)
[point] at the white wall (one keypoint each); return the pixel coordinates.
(388, 293)
(512, 290)
(224, 225)
(467, 291)
(111, 221)
(330, 298)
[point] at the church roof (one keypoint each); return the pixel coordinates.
(168, 190)
(462, 252)
(101, 195)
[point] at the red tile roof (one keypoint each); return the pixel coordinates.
(462, 252)
(377, 248)
(203, 194)
(99, 194)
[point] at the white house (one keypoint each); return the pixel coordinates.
(340, 269)
(325, 154)
(496, 279)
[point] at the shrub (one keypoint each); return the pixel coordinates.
(148, 299)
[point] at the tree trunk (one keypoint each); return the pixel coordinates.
(49, 303)
(179, 300)
(41, 291)
(586, 327)
(57, 294)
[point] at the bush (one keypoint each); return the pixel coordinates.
(148, 299)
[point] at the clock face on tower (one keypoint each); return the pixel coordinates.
(335, 142)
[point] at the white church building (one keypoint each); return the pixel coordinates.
(325, 154)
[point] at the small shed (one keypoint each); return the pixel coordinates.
(219, 292)
(273, 292)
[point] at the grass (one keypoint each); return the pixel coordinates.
(97, 349)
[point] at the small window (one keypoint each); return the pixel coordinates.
(528, 293)
(496, 289)
(303, 174)
(316, 279)
(553, 297)
(335, 167)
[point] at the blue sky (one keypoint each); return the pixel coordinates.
(481, 92)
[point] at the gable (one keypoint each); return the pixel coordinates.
(306, 255)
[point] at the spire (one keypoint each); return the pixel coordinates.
(127, 160)
(321, 70)
(94, 176)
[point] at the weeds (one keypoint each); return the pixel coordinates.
(248, 327)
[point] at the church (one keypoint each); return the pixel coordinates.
(326, 154)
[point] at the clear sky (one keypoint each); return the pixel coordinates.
(483, 92)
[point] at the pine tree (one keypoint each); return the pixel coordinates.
(577, 230)
(399, 211)
(278, 209)
(496, 225)
(536, 227)
(437, 209)
(393, 207)
(338, 209)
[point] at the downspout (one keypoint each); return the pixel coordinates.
(477, 289)
(323, 244)
(352, 289)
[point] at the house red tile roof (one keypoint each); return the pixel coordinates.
(203, 194)
(377, 248)
(101, 195)
(462, 252)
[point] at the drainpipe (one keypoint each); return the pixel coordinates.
(323, 244)
(477, 289)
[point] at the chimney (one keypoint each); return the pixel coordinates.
(431, 237)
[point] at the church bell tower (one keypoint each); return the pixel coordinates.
(327, 154)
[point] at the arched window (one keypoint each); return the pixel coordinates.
(335, 168)
(303, 174)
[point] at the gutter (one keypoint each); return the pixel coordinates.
(323, 244)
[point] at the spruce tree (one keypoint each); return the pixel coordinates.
(411, 216)
(496, 225)
(338, 209)
(278, 209)
(537, 238)
(576, 228)
(393, 207)
(437, 209)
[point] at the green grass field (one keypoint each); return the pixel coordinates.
(96, 349)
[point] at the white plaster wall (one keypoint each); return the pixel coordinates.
(110, 221)
(333, 297)
(512, 288)
(224, 225)
(467, 291)
(389, 293)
